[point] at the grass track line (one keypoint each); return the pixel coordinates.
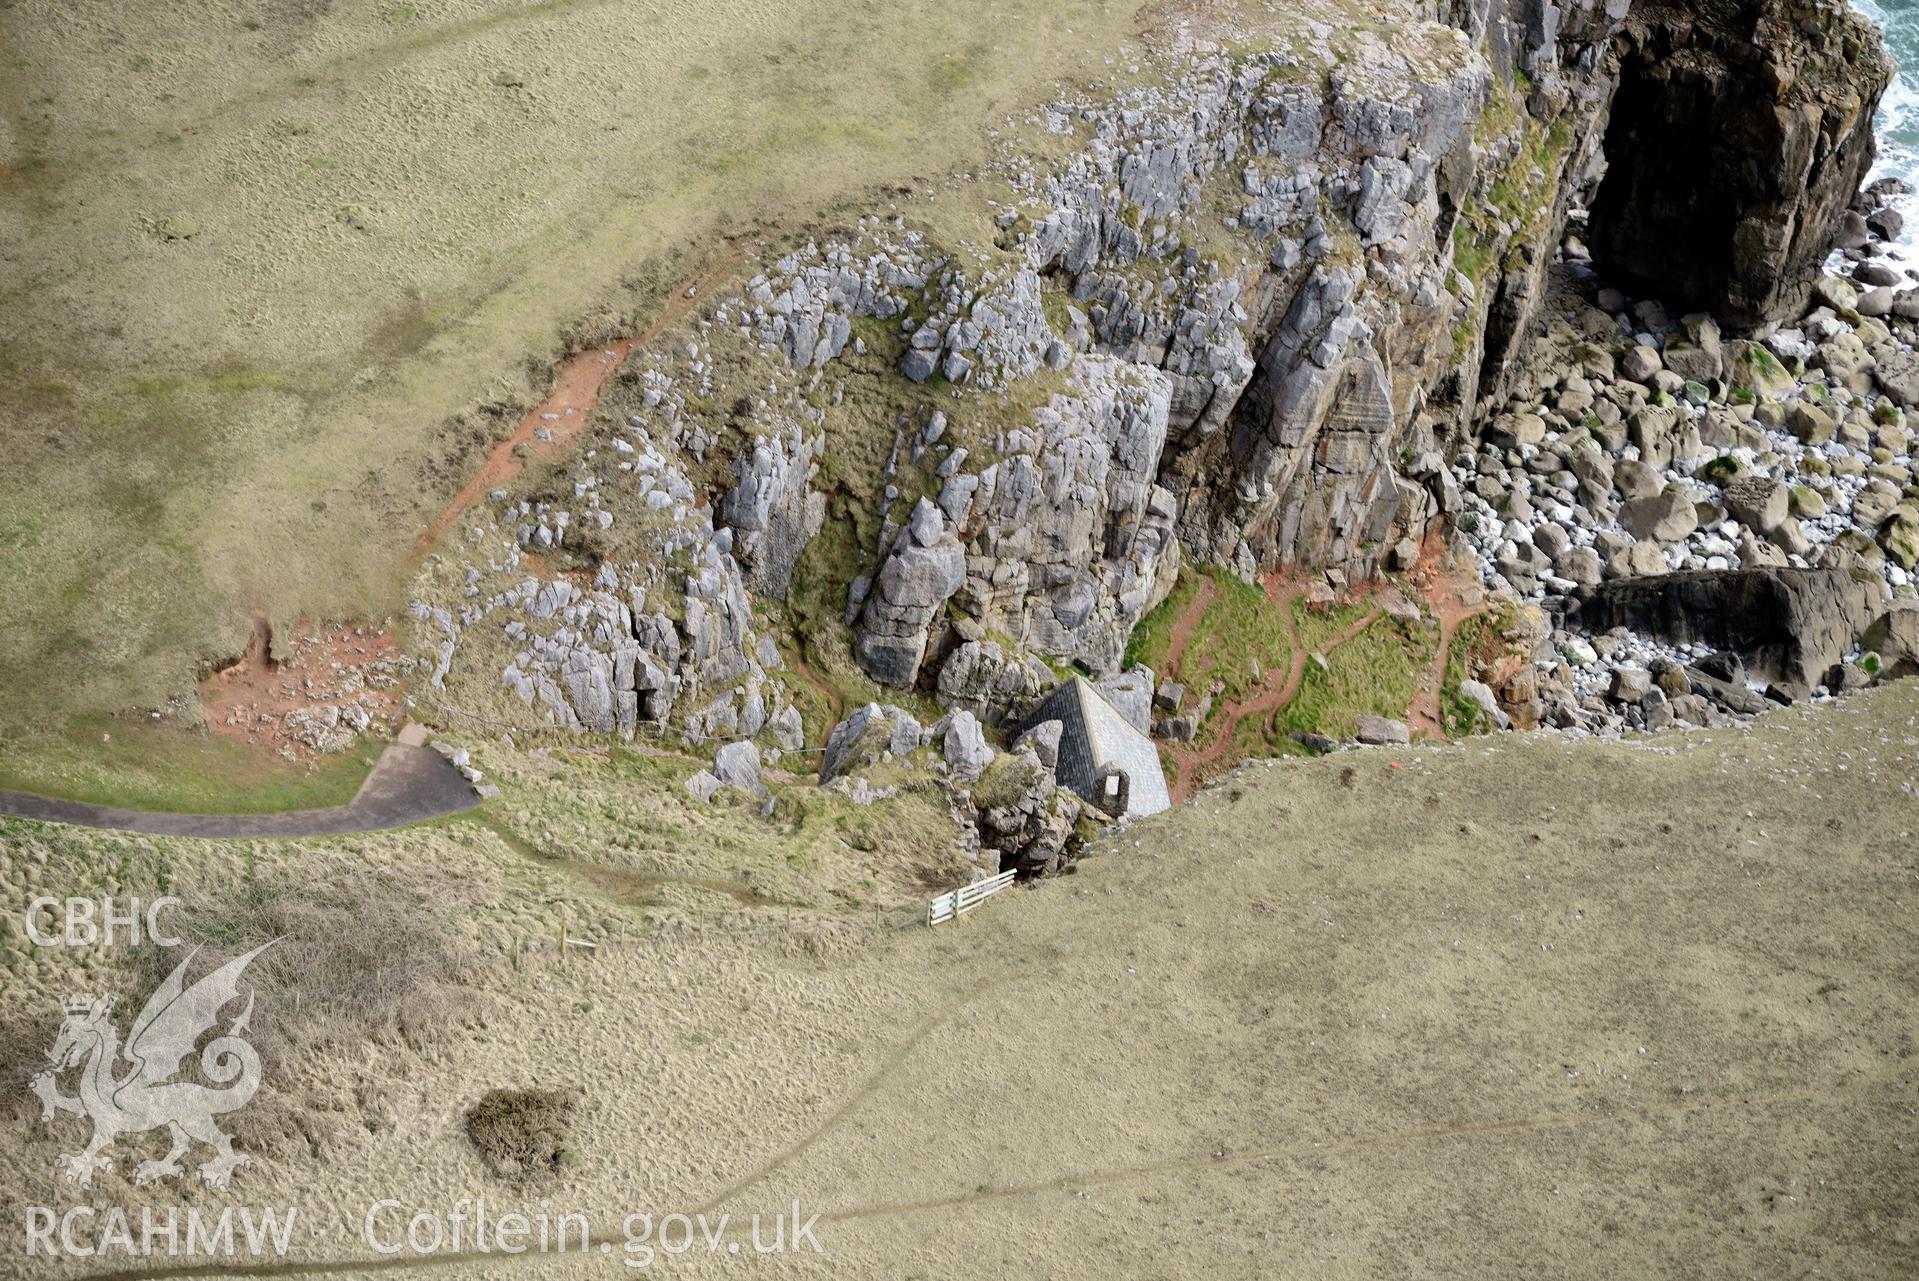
(1064, 1182)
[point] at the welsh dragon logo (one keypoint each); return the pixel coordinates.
(146, 1096)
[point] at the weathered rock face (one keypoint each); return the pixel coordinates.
(1069, 541)
(923, 570)
(983, 678)
(1740, 132)
(1281, 288)
(1062, 545)
(1299, 379)
(772, 509)
(1789, 624)
(1023, 819)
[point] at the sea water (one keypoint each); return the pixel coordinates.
(1898, 124)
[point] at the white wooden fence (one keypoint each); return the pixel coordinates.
(952, 906)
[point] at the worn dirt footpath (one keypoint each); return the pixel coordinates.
(1523, 1009)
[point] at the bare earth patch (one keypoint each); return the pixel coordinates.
(335, 682)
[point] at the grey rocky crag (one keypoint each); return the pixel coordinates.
(664, 641)
(925, 566)
(1068, 538)
(1299, 298)
(773, 509)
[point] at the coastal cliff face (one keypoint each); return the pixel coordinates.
(1243, 309)
(1739, 134)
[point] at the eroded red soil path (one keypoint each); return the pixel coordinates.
(551, 426)
(1451, 596)
(1195, 766)
(1188, 622)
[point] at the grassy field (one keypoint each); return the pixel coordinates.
(1444, 1011)
(133, 764)
(256, 259)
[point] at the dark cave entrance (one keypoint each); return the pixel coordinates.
(1665, 218)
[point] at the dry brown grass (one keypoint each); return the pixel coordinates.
(258, 263)
(373, 960)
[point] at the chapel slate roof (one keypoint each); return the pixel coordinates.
(1095, 738)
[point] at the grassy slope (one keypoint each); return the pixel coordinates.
(135, 765)
(1375, 673)
(252, 262)
(1241, 632)
(1469, 1016)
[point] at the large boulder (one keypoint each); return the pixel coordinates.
(1758, 502)
(1897, 374)
(963, 745)
(983, 678)
(1895, 638)
(1699, 355)
(1788, 624)
(1899, 536)
(868, 734)
(926, 566)
(1752, 369)
(1378, 731)
(738, 765)
(1665, 517)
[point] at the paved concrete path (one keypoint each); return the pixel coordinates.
(409, 783)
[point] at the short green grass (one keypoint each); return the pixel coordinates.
(123, 762)
(1376, 673)
(1240, 641)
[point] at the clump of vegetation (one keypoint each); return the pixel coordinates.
(1005, 782)
(1721, 469)
(371, 959)
(522, 1134)
(1459, 716)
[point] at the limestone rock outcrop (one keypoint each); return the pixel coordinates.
(773, 509)
(1069, 540)
(923, 570)
(1274, 307)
